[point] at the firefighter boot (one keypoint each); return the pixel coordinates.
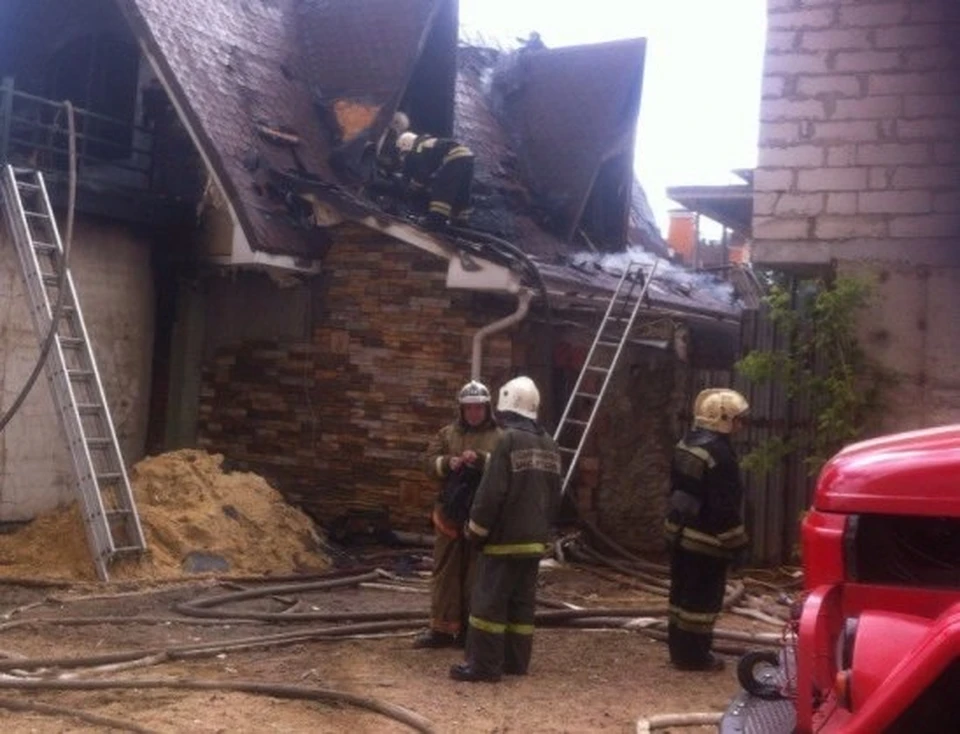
(434, 222)
(432, 639)
(712, 664)
(471, 674)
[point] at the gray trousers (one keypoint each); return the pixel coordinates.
(500, 638)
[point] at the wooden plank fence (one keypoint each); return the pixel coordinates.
(775, 500)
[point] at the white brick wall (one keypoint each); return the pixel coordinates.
(873, 14)
(832, 179)
(862, 105)
(845, 85)
(875, 86)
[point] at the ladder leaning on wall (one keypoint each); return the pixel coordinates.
(601, 361)
(106, 500)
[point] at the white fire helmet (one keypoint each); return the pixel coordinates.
(716, 408)
(400, 122)
(520, 396)
(405, 142)
(473, 393)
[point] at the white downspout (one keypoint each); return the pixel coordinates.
(523, 305)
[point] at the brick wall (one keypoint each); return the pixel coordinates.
(636, 433)
(860, 131)
(340, 420)
(859, 166)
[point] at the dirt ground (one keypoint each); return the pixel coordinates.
(133, 631)
(580, 681)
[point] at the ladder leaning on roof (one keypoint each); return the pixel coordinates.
(109, 513)
(571, 433)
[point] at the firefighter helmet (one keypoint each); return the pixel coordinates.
(474, 392)
(716, 408)
(400, 122)
(520, 395)
(405, 142)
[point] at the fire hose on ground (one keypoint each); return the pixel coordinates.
(648, 620)
(669, 721)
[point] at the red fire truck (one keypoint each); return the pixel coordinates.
(875, 645)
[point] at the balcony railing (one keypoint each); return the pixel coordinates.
(34, 133)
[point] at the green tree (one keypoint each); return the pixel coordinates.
(823, 364)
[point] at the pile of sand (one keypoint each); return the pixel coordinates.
(188, 507)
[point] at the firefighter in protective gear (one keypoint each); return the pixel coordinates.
(387, 151)
(458, 448)
(442, 170)
(513, 511)
(704, 527)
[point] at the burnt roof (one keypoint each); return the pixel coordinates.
(321, 70)
(331, 73)
(513, 198)
(569, 110)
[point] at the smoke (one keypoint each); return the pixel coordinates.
(668, 278)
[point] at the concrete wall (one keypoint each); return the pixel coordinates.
(859, 165)
(112, 274)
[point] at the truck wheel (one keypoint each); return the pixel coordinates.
(758, 674)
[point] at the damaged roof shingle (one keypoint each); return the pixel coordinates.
(274, 86)
(234, 66)
(518, 190)
(569, 110)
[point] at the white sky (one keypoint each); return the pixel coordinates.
(701, 89)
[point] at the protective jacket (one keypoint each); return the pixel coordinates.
(706, 494)
(452, 440)
(519, 495)
(428, 155)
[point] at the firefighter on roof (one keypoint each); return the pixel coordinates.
(442, 170)
(704, 527)
(511, 518)
(456, 458)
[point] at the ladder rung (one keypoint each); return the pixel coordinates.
(588, 395)
(565, 450)
(608, 344)
(594, 368)
(576, 422)
(36, 236)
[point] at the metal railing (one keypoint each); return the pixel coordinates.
(33, 134)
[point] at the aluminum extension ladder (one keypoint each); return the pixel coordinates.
(109, 512)
(601, 360)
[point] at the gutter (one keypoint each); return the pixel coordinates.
(523, 306)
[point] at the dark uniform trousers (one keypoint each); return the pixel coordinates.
(697, 585)
(450, 189)
(454, 570)
(500, 637)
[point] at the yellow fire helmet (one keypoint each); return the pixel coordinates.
(716, 408)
